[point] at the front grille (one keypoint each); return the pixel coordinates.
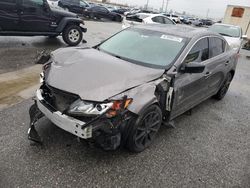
(58, 99)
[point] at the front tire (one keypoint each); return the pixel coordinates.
(144, 129)
(224, 88)
(72, 35)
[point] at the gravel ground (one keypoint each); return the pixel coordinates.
(210, 148)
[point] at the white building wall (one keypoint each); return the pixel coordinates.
(243, 22)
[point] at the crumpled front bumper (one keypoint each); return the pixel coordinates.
(108, 139)
(67, 123)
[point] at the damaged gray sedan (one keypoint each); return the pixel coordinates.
(121, 91)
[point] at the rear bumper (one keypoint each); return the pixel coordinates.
(63, 121)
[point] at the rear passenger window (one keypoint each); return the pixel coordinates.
(199, 52)
(167, 21)
(158, 19)
(216, 46)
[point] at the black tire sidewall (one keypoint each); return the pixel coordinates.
(219, 95)
(117, 19)
(65, 35)
(130, 144)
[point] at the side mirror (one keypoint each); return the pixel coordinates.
(193, 67)
(244, 37)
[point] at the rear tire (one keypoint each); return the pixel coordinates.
(72, 35)
(144, 129)
(118, 19)
(224, 88)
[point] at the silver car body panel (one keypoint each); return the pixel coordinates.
(95, 75)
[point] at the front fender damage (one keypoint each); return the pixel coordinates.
(147, 94)
(110, 133)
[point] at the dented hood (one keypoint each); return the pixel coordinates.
(95, 75)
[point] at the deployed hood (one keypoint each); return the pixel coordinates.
(95, 75)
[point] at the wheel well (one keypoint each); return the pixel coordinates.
(232, 72)
(71, 23)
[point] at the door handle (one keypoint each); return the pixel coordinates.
(227, 63)
(207, 75)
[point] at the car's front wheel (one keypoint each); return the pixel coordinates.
(72, 35)
(224, 88)
(144, 129)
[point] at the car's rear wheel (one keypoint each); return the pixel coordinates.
(224, 88)
(117, 19)
(92, 16)
(144, 129)
(72, 35)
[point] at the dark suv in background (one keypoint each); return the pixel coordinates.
(36, 17)
(76, 6)
(100, 12)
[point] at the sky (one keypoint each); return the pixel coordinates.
(215, 8)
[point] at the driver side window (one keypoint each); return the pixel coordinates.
(199, 52)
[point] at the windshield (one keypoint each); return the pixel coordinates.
(230, 31)
(83, 3)
(145, 47)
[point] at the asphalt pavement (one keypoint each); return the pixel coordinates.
(209, 148)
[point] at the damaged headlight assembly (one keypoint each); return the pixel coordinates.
(84, 108)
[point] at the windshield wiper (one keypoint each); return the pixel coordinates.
(225, 35)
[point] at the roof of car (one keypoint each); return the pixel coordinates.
(177, 30)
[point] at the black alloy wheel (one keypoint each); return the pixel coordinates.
(144, 129)
(224, 88)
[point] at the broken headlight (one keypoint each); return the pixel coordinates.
(84, 108)
(118, 106)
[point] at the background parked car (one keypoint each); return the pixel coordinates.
(37, 18)
(188, 20)
(144, 18)
(76, 6)
(135, 11)
(121, 10)
(197, 22)
(132, 11)
(207, 22)
(99, 12)
(232, 33)
(173, 17)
